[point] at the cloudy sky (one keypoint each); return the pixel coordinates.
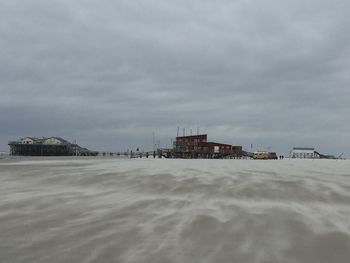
(110, 73)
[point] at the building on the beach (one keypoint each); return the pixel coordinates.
(50, 146)
(197, 146)
(264, 155)
(29, 140)
(304, 153)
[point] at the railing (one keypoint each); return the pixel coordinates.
(14, 142)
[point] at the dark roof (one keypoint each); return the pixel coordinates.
(304, 148)
(215, 144)
(40, 140)
(191, 136)
(32, 138)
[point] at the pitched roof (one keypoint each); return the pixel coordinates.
(57, 138)
(32, 138)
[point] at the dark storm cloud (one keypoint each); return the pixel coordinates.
(110, 73)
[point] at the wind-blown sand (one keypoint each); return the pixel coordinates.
(151, 210)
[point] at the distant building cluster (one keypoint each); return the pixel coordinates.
(51, 146)
(186, 147)
(197, 146)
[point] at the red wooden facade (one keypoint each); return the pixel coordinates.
(197, 146)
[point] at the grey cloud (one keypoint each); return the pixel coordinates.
(109, 73)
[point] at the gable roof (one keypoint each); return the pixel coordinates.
(57, 138)
(32, 138)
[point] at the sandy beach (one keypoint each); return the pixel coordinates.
(160, 210)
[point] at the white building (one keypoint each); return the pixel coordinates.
(304, 153)
(29, 140)
(47, 141)
(54, 141)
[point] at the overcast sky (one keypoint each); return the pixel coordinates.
(109, 73)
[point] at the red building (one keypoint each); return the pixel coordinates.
(197, 146)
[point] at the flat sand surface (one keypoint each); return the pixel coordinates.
(160, 210)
